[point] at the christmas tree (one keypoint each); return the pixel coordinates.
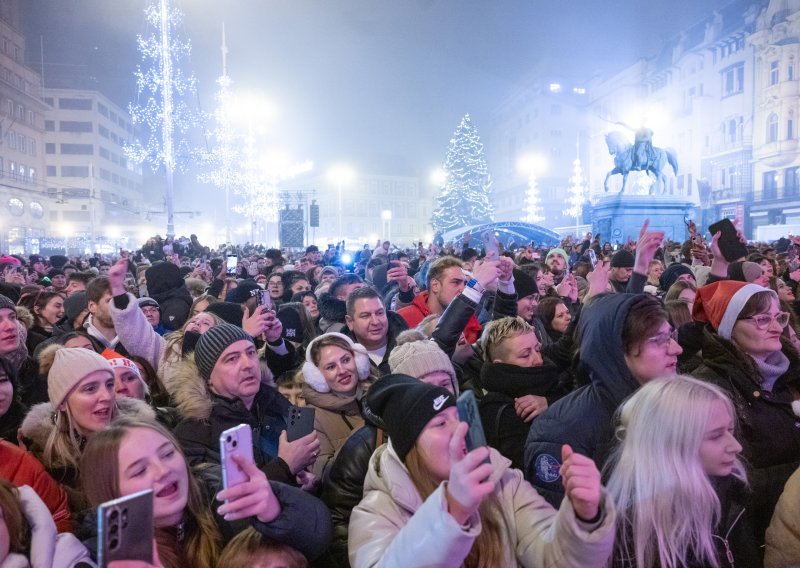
(533, 205)
(576, 193)
(465, 192)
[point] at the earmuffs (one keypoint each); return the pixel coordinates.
(312, 374)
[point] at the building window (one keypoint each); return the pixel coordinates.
(75, 104)
(772, 128)
(774, 73)
(789, 129)
(50, 125)
(77, 149)
(49, 148)
(52, 171)
(770, 185)
(792, 182)
(31, 146)
(75, 171)
(102, 109)
(75, 126)
(22, 144)
(733, 80)
(731, 131)
(790, 72)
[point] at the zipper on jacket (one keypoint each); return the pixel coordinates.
(724, 540)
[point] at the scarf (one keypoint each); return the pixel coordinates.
(770, 368)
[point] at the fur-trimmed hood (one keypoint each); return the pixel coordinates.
(38, 423)
(190, 391)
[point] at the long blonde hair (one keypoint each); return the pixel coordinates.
(488, 550)
(667, 504)
(64, 444)
(201, 545)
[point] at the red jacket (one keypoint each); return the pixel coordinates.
(19, 468)
(418, 310)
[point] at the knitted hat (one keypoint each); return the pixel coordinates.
(623, 258)
(672, 273)
(292, 325)
(406, 405)
(418, 358)
(70, 367)
(6, 303)
(117, 360)
(559, 251)
(213, 342)
(721, 303)
(74, 305)
(524, 284)
(228, 311)
(243, 292)
(313, 375)
(744, 271)
(146, 301)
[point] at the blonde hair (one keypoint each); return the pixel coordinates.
(667, 504)
(174, 341)
(250, 548)
(498, 332)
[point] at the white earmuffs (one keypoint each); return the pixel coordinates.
(312, 374)
(796, 407)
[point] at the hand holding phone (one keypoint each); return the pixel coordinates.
(237, 441)
(731, 248)
(125, 529)
(468, 412)
(470, 477)
(254, 498)
(300, 422)
(231, 263)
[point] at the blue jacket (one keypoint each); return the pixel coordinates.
(584, 419)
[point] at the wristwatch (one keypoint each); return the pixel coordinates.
(472, 283)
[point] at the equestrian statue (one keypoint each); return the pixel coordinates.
(641, 156)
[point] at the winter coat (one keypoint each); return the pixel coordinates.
(332, 312)
(47, 548)
(505, 430)
(783, 534)
(397, 325)
(166, 286)
(11, 420)
(36, 429)
(768, 428)
(393, 526)
(135, 332)
(419, 309)
(206, 415)
(584, 418)
(19, 468)
(335, 419)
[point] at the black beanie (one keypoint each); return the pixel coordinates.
(406, 405)
(623, 258)
(227, 311)
(213, 342)
(672, 273)
(524, 284)
(243, 292)
(291, 323)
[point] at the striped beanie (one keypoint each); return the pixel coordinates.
(213, 342)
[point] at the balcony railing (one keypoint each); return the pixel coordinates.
(750, 195)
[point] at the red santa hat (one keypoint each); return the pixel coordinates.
(721, 303)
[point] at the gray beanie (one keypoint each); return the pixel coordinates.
(213, 342)
(418, 358)
(6, 303)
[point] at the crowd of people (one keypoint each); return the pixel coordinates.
(641, 404)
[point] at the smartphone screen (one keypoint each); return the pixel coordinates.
(232, 261)
(235, 441)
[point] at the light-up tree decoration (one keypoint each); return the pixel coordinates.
(161, 105)
(576, 194)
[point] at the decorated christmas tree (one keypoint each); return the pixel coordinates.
(576, 193)
(464, 197)
(533, 204)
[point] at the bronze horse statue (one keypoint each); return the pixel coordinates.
(658, 158)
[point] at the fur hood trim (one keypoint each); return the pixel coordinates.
(190, 391)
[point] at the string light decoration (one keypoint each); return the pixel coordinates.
(576, 194)
(533, 203)
(161, 106)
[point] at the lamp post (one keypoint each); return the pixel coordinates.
(341, 174)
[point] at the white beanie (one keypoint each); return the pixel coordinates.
(70, 366)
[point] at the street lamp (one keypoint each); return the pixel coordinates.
(341, 174)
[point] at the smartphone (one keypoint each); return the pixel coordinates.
(125, 529)
(729, 244)
(263, 299)
(468, 412)
(592, 257)
(300, 423)
(490, 245)
(232, 262)
(235, 441)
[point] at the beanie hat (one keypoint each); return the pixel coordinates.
(55, 272)
(418, 358)
(117, 360)
(672, 273)
(213, 342)
(623, 258)
(406, 405)
(34, 258)
(58, 261)
(291, 323)
(74, 305)
(744, 271)
(524, 284)
(147, 301)
(329, 270)
(70, 366)
(6, 303)
(10, 259)
(559, 251)
(721, 303)
(229, 312)
(313, 375)
(243, 292)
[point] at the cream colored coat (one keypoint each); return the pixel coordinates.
(393, 527)
(783, 534)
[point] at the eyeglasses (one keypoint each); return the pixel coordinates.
(763, 321)
(662, 339)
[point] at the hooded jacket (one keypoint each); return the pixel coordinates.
(419, 309)
(584, 418)
(167, 287)
(206, 415)
(393, 526)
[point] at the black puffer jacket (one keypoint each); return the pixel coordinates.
(166, 286)
(767, 427)
(584, 418)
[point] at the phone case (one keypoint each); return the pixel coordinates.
(729, 244)
(300, 423)
(231, 266)
(468, 412)
(125, 529)
(235, 441)
(264, 299)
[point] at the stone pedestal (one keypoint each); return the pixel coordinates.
(621, 216)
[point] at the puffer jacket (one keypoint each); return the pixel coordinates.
(335, 419)
(392, 526)
(206, 415)
(768, 428)
(166, 286)
(783, 534)
(584, 418)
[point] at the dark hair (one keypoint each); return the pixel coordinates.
(758, 303)
(158, 392)
(84, 277)
(344, 280)
(97, 288)
(677, 312)
(546, 309)
(39, 300)
(62, 339)
(645, 316)
(14, 519)
(365, 292)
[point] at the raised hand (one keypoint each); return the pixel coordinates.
(646, 247)
(469, 482)
(581, 480)
(485, 271)
(116, 277)
(253, 498)
(598, 279)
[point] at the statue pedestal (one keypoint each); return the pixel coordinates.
(619, 217)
